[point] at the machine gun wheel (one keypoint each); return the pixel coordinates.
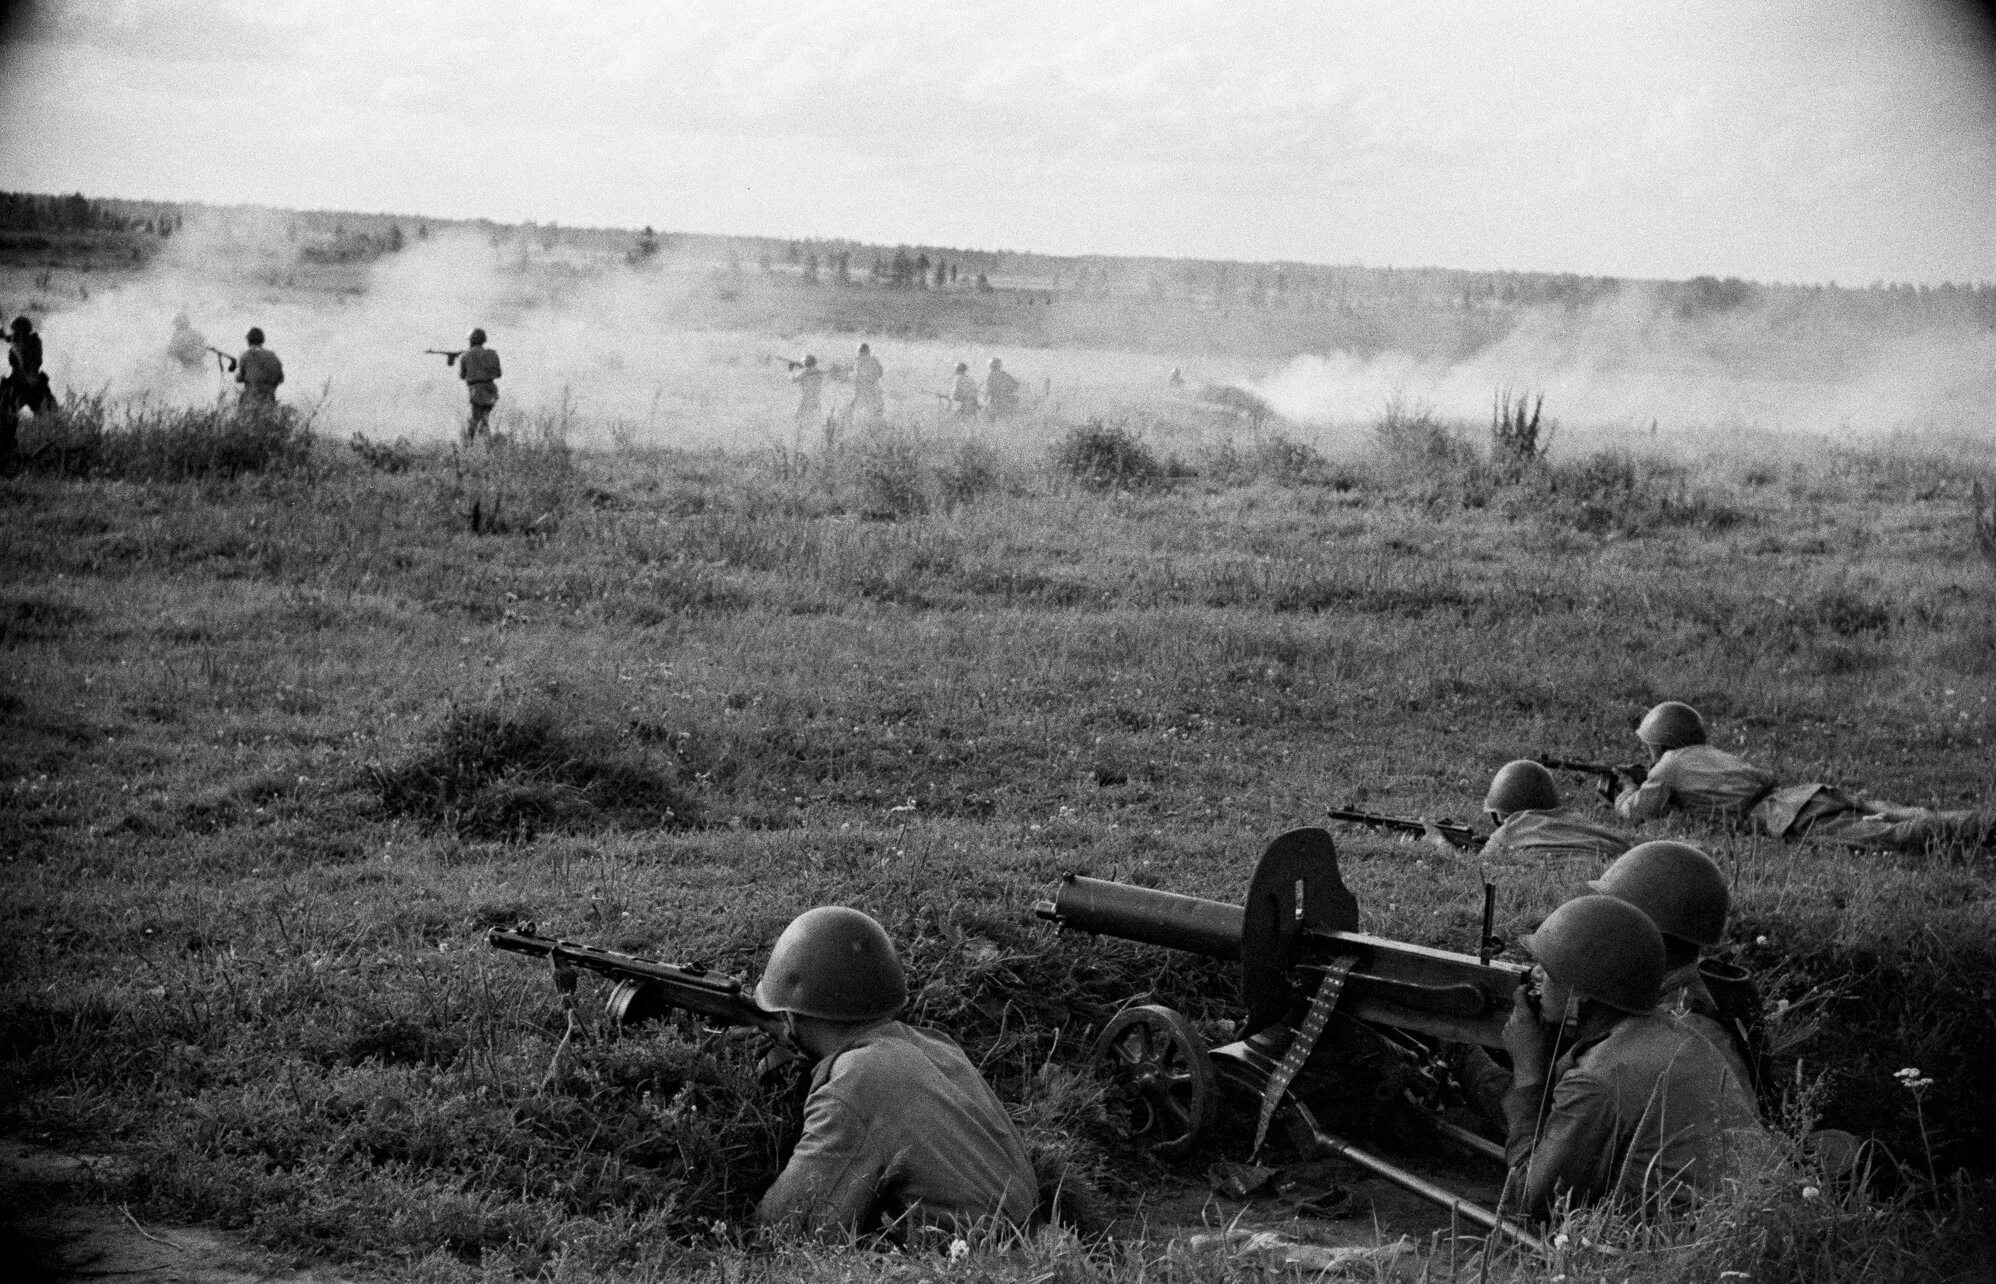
(1160, 1078)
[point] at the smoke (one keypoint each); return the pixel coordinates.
(682, 351)
(1633, 362)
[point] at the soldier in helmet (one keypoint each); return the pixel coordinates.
(1682, 891)
(26, 386)
(810, 381)
(478, 366)
(259, 372)
(186, 345)
(1611, 1099)
(866, 374)
(900, 1131)
(1001, 391)
(1689, 775)
(1533, 821)
(963, 390)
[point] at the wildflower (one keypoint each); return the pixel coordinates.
(1760, 940)
(719, 1230)
(1810, 1192)
(1561, 1240)
(958, 1249)
(1912, 1080)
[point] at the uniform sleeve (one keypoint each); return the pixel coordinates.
(831, 1183)
(1648, 800)
(1571, 1151)
(276, 370)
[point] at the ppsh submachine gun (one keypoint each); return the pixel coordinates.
(224, 363)
(1302, 961)
(647, 989)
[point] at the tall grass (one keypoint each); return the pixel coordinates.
(143, 441)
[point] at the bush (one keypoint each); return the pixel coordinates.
(1612, 491)
(1412, 435)
(1518, 438)
(517, 484)
(889, 470)
(1107, 457)
(491, 773)
(88, 437)
(386, 457)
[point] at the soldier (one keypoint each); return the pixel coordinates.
(810, 381)
(1532, 821)
(1689, 775)
(186, 346)
(963, 390)
(866, 374)
(1682, 891)
(478, 366)
(259, 372)
(1610, 1098)
(1001, 391)
(900, 1131)
(26, 386)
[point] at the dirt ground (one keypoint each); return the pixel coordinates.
(56, 1225)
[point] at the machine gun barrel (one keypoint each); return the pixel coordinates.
(1102, 908)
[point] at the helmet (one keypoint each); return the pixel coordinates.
(1677, 885)
(864, 348)
(809, 361)
(21, 325)
(996, 363)
(1603, 949)
(1522, 785)
(963, 367)
(1671, 725)
(835, 964)
(254, 336)
(477, 336)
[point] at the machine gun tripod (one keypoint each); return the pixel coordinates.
(1302, 959)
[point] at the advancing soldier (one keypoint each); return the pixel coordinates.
(259, 372)
(866, 374)
(478, 366)
(1682, 891)
(1001, 391)
(810, 381)
(1689, 775)
(963, 390)
(1532, 821)
(26, 386)
(186, 346)
(900, 1131)
(1610, 1098)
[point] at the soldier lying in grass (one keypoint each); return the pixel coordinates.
(1691, 776)
(901, 1134)
(1532, 820)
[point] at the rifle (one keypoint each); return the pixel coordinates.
(450, 358)
(647, 988)
(223, 361)
(1610, 775)
(1459, 835)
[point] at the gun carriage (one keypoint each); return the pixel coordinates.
(1302, 960)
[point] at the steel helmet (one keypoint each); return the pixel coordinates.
(835, 964)
(810, 362)
(255, 335)
(963, 367)
(996, 364)
(1522, 785)
(22, 325)
(1604, 949)
(1671, 725)
(1677, 885)
(477, 337)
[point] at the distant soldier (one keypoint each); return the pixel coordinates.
(1177, 377)
(866, 375)
(187, 346)
(26, 386)
(1611, 1099)
(1688, 775)
(810, 381)
(479, 368)
(1532, 821)
(1001, 391)
(259, 372)
(963, 390)
(901, 1133)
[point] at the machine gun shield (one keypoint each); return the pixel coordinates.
(1296, 887)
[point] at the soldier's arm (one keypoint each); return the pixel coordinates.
(1570, 1152)
(831, 1183)
(1648, 800)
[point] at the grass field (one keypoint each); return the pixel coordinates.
(279, 747)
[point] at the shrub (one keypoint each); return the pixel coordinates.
(89, 437)
(1518, 439)
(517, 484)
(386, 457)
(1107, 457)
(971, 472)
(888, 468)
(1412, 435)
(1612, 491)
(492, 773)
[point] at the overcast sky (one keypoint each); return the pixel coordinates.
(1835, 139)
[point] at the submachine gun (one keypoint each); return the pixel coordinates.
(1301, 958)
(646, 988)
(1608, 776)
(224, 363)
(449, 355)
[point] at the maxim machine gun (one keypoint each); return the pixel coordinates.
(1302, 961)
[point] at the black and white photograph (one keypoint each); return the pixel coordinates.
(998, 643)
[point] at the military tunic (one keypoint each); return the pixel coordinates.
(900, 1131)
(1709, 783)
(259, 372)
(1552, 832)
(1001, 392)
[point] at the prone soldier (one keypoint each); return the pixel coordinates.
(259, 372)
(901, 1133)
(1689, 775)
(1532, 820)
(1610, 1098)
